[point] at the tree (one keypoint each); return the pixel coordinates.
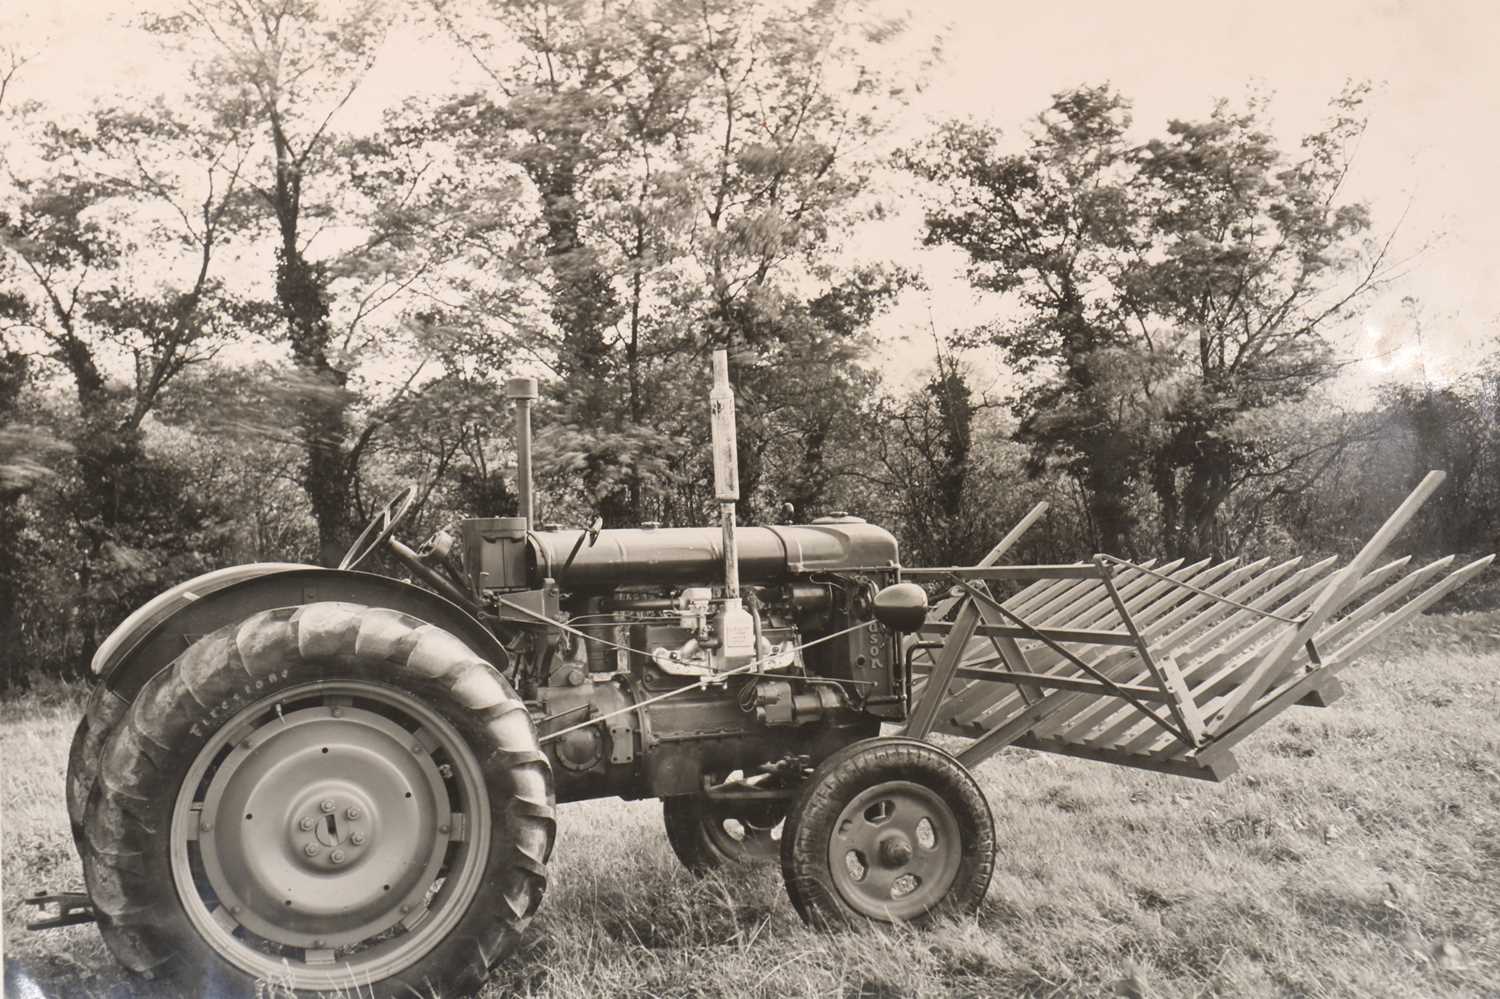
(112, 227)
(690, 166)
(1257, 255)
(1054, 227)
(1166, 292)
(285, 69)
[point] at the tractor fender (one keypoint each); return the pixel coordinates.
(159, 632)
(128, 633)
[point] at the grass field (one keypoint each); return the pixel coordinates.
(1357, 854)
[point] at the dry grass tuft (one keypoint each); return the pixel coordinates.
(1357, 855)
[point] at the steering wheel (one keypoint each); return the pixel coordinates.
(378, 530)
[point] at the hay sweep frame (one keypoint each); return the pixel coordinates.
(1161, 666)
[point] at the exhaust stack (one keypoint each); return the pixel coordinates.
(522, 391)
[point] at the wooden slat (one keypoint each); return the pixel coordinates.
(1264, 712)
(1200, 673)
(1168, 682)
(1065, 609)
(1241, 620)
(1278, 700)
(1330, 637)
(1220, 768)
(976, 701)
(1056, 681)
(1349, 652)
(1215, 691)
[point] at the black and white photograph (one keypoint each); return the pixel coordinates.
(749, 499)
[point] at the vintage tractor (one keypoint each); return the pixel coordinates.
(329, 778)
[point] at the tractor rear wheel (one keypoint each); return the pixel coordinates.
(100, 715)
(327, 797)
(710, 834)
(889, 830)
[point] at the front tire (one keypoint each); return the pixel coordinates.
(890, 830)
(324, 797)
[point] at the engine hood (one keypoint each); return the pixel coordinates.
(696, 554)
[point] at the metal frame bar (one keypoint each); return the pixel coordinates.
(1089, 607)
(1180, 699)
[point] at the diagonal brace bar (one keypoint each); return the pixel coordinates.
(1103, 678)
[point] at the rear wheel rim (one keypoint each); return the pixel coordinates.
(330, 835)
(743, 833)
(895, 851)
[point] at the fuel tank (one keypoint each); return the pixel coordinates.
(696, 554)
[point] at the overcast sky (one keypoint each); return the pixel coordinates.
(1430, 150)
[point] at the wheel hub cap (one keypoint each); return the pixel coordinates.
(895, 850)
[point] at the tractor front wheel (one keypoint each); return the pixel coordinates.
(327, 797)
(889, 830)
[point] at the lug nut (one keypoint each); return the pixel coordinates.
(306, 823)
(336, 712)
(325, 806)
(337, 856)
(357, 838)
(418, 748)
(205, 826)
(311, 849)
(352, 812)
(443, 828)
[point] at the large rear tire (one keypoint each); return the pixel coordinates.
(890, 830)
(101, 714)
(322, 797)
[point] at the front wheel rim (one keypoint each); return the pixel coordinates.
(895, 851)
(330, 835)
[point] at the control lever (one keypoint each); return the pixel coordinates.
(591, 533)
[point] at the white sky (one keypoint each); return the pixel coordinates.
(1431, 144)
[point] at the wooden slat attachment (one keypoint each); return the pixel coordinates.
(1185, 716)
(1143, 598)
(1084, 658)
(1346, 654)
